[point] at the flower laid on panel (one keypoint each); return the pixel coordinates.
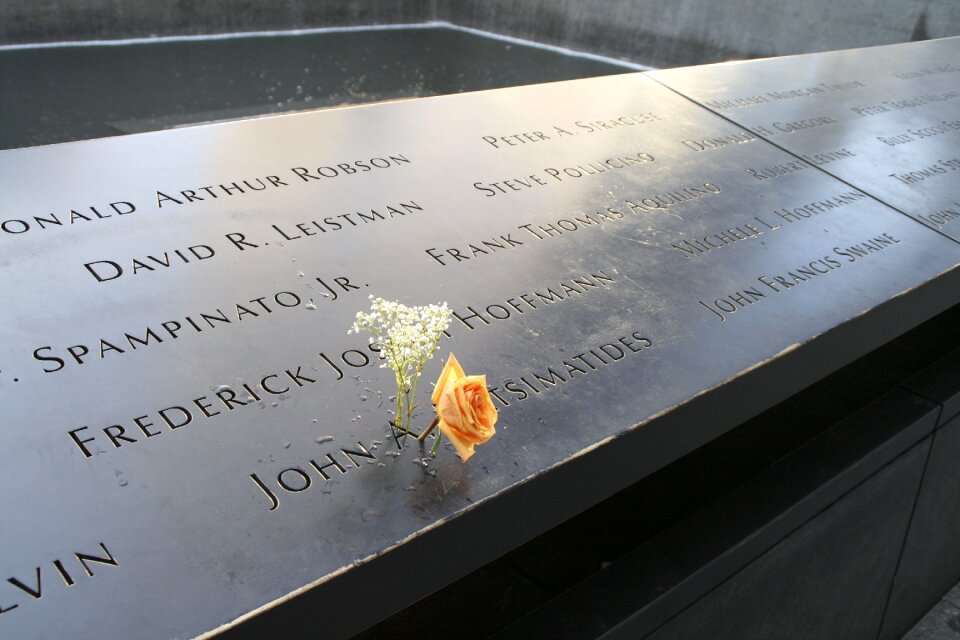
(407, 338)
(465, 411)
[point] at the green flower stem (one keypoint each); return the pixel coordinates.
(411, 398)
(430, 427)
(398, 417)
(416, 380)
(408, 401)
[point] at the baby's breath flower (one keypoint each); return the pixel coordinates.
(407, 337)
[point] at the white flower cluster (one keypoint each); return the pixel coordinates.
(407, 336)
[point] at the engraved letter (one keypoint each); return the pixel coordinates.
(274, 503)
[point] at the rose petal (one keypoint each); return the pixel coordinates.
(448, 406)
(451, 371)
(463, 446)
(466, 411)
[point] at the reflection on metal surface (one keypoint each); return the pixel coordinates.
(179, 388)
(886, 119)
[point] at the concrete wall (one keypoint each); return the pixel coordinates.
(23, 21)
(655, 32)
(684, 32)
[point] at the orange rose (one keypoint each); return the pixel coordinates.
(464, 407)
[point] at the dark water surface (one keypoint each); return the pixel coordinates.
(64, 93)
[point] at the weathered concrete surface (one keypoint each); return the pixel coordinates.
(23, 21)
(680, 32)
(685, 32)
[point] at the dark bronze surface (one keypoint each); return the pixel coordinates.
(886, 119)
(195, 541)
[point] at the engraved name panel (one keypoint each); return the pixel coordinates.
(182, 405)
(884, 119)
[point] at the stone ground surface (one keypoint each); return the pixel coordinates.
(942, 622)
